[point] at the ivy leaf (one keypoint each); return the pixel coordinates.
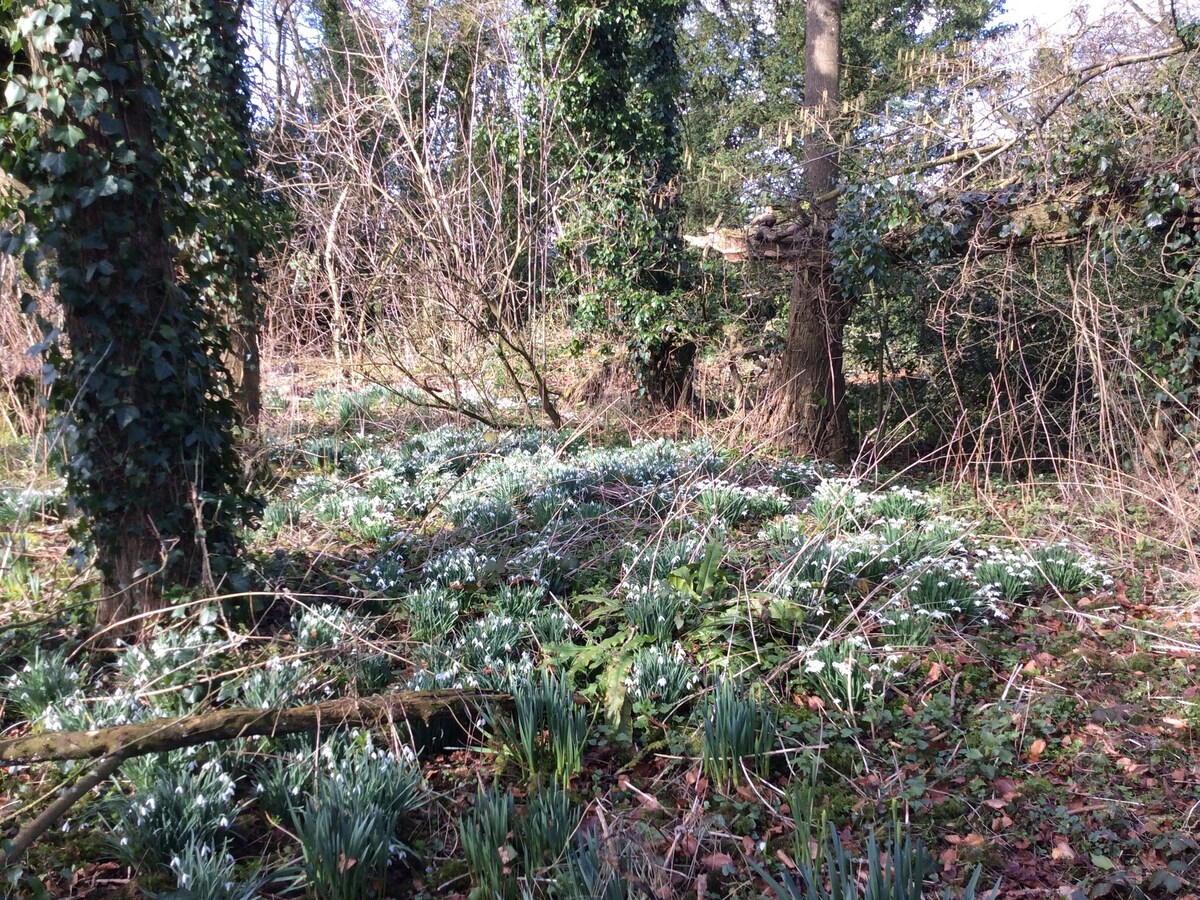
(14, 93)
(126, 414)
(55, 102)
(67, 134)
(54, 163)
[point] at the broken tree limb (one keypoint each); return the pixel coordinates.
(24, 838)
(229, 724)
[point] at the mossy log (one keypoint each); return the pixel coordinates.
(125, 741)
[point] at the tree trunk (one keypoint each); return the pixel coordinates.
(243, 362)
(809, 412)
(668, 374)
(129, 547)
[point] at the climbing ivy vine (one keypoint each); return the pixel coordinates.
(622, 133)
(124, 131)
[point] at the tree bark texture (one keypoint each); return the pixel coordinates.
(810, 413)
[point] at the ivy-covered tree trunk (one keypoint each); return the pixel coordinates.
(103, 122)
(120, 235)
(809, 412)
(622, 132)
(239, 210)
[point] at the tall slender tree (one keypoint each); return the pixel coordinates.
(743, 92)
(809, 410)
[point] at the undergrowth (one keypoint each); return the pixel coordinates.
(736, 672)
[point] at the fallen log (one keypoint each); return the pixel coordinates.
(160, 735)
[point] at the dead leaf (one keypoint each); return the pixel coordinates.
(1006, 788)
(716, 861)
(996, 803)
(972, 840)
(1062, 850)
(1130, 768)
(786, 860)
(948, 858)
(935, 672)
(1036, 749)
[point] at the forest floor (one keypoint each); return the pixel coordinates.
(733, 675)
